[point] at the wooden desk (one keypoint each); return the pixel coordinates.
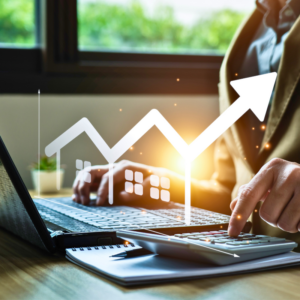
(27, 272)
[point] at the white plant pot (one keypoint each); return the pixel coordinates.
(47, 180)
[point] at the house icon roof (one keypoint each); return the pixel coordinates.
(154, 117)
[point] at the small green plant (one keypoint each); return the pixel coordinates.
(46, 164)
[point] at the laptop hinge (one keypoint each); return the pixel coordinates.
(56, 233)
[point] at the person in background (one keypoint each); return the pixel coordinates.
(257, 171)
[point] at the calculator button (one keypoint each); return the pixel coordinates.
(244, 242)
(276, 239)
(249, 235)
(255, 242)
(205, 239)
(247, 238)
(261, 241)
(233, 243)
(220, 241)
(193, 237)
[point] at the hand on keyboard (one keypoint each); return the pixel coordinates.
(277, 185)
(95, 179)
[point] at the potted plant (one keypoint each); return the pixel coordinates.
(44, 175)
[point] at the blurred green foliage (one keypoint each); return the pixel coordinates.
(17, 22)
(106, 26)
(46, 164)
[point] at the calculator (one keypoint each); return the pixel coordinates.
(211, 247)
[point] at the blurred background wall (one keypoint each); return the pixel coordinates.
(113, 117)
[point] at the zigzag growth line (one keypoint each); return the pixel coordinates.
(153, 118)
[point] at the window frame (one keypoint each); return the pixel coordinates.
(59, 67)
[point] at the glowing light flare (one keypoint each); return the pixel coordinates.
(181, 164)
(267, 146)
(239, 217)
(175, 104)
(263, 127)
(178, 79)
(120, 109)
(255, 210)
(126, 243)
(187, 191)
(131, 148)
(253, 128)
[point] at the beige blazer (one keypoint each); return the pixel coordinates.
(283, 126)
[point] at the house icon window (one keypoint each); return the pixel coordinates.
(160, 189)
(134, 185)
(159, 186)
(80, 165)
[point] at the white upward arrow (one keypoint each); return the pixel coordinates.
(255, 93)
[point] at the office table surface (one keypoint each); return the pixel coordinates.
(29, 273)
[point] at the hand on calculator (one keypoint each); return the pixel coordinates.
(277, 186)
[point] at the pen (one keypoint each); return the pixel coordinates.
(132, 253)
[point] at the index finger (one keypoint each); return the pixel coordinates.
(248, 197)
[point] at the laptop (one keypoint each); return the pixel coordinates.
(55, 224)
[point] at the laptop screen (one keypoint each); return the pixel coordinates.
(17, 215)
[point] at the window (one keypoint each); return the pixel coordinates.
(138, 178)
(164, 183)
(17, 23)
(80, 165)
(134, 185)
(116, 46)
(159, 26)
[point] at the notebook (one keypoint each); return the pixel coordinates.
(150, 269)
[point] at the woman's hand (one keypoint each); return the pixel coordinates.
(99, 183)
(277, 185)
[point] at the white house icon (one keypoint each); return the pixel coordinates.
(154, 117)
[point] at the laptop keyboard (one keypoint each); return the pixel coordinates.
(61, 220)
(76, 217)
